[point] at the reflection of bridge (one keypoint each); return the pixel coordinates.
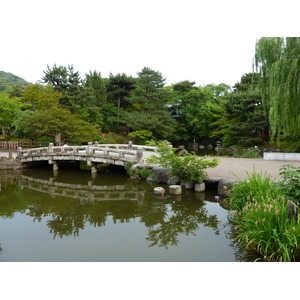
(82, 192)
(93, 154)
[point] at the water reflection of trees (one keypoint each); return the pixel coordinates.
(186, 219)
(67, 215)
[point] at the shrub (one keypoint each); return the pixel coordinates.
(290, 182)
(188, 167)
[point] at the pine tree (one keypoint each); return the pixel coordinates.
(148, 109)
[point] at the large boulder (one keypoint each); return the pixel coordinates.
(225, 186)
(161, 174)
(173, 181)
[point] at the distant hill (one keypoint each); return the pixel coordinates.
(9, 80)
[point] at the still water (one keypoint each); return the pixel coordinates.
(73, 216)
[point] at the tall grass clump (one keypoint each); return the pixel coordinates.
(261, 220)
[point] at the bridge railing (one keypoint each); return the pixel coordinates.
(132, 152)
(128, 146)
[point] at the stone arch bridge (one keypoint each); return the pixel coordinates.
(92, 154)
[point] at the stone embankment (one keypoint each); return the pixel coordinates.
(8, 161)
(161, 175)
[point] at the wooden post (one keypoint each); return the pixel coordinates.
(292, 211)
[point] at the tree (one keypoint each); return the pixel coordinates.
(96, 83)
(41, 97)
(92, 99)
(8, 109)
(148, 109)
(119, 87)
(220, 90)
(277, 59)
(199, 111)
(66, 81)
(184, 86)
(243, 121)
(50, 122)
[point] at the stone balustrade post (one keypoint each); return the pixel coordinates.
(139, 155)
(89, 149)
(19, 152)
(50, 148)
(130, 145)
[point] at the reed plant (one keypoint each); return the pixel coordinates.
(261, 220)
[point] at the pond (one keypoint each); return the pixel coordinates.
(73, 216)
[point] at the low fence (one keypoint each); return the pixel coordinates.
(7, 146)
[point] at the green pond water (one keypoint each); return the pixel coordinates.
(73, 216)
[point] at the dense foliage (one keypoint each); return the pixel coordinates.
(277, 59)
(143, 107)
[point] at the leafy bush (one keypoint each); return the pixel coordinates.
(46, 139)
(188, 167)
(290, 183)
(127, 167)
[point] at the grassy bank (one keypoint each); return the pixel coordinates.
(259, 210)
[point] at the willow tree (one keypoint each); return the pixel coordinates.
(277, 59)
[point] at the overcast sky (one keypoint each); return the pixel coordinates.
(202, 41)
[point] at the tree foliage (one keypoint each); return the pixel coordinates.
(277, 59)
(50, 122)
(243, 121)
(66, 81)
(148, 105)
(41, 97)
(8, 109)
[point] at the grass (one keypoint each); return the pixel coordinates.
(261, 219)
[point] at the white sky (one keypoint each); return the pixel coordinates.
(204, 41)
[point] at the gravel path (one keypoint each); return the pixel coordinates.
(238, 168)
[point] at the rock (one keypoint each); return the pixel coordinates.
(173, 181)
(199, 186)
(189, 185)
(150, 179)
(225, 186)
(175, 189)
(212, 180)
(143, 166)
(159, 190)
(161, 174)
(10, 164)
